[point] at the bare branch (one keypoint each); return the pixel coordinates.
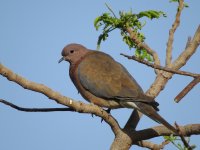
(77, 106)
(187, 89)
(171, 33)
(34, 109)
(161, 67)
(188, 52)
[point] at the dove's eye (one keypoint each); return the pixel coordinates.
(71, 51)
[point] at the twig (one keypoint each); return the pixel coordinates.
(34, 109)
(187, 89)
(109, 8)
(182, 137)
(161, 67)
(171, 33)
(188, 42)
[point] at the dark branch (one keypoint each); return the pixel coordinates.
(133, 120)
(34, 109)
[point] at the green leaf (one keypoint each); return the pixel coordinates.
(180, 146)
(151, 14)
(186, 5)
(137, 53)
(109, 22)
(149, 58)
(100, 38)
(96, 21)
(173, 1)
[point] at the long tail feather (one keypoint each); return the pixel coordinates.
(149, 111)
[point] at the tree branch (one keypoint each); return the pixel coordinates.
(77, 106)
(187, 130)
(191, 48)
(161, 67)
(34, 109)
(187, 89)
(172, 31)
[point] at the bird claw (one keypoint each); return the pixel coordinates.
(108, 111)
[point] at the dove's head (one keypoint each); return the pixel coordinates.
(73, 53)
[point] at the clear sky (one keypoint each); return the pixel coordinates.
(32, 35)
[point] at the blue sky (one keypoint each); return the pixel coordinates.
(32, 35)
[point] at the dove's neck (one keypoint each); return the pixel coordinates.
(76, 60)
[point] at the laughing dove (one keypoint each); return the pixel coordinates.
(105, 82)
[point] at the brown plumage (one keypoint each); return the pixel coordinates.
(103, 81)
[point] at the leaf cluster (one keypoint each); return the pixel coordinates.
(177, 1)
(109, 22)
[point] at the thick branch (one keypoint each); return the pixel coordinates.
(34, 109)
(77, 106)
(187, 130)
(172, 31)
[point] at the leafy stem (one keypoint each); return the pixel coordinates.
(109, 22)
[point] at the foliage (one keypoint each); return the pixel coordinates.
(110, 22)
(175, 141)
(185, 4)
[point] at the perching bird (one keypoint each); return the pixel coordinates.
(105, 82)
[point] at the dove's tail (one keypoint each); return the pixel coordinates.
(150, 111)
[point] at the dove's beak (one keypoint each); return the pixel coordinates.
(63, 58)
